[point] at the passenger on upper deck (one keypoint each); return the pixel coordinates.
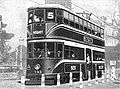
(38, 19)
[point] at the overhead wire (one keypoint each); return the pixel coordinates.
(95, 16)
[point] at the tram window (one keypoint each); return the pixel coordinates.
(98, 56)
(81, 27)
(30, 17)
(85, 26)
(29, 47)
(59, 19)
(73, 52)
(80, 21)
(89, 27)
(92, 26)
(98, 30)
(60, 16)
(66, 52)
(80, 54)
(103, 56)
(59, 50)
(77, 25)
(85, 23)
(102, 33)
(50, 49)
(39, 16)
(66, 17)
(28, 35)
(76, 19)
(29, 28)
(38, 30)
(76, 53)
(66, 21)
(95, 56)
(39, 27)
(72, 23)
(39, 50)
(93, 29)
(30, 55)
(59, 12)
(65, 14)
(76, 22)
(71, 17)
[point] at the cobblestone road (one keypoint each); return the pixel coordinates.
(13, 84)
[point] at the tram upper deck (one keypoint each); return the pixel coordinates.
(44, 18)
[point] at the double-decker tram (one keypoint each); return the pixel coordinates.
(61, 41)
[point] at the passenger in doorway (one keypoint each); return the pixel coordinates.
(88, 58)
(88, 61)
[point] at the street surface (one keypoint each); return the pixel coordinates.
(13, 84)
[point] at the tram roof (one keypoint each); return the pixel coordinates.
(61, 7)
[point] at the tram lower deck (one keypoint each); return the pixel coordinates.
(64, 69)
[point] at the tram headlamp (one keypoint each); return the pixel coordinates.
(37, 66)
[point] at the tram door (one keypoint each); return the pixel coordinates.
(88, 62)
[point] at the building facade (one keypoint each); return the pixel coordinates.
(66, 3)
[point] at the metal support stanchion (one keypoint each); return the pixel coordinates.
(42, 80)
(103, 78)
(71, 81)
(81, 80)
(89, 82)
(96, 77)
(58, 79)
(22, 79)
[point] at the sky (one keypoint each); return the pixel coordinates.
(14, 13)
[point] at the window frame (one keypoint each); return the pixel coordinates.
(43, 16)
(76, 19)
(80, 21)
(85, 23)
(71, 17)
(66, 14)
(31, 16)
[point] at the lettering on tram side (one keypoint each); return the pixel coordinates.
(72, 67)
(88, 39)
(37, 32)
(100, 67)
